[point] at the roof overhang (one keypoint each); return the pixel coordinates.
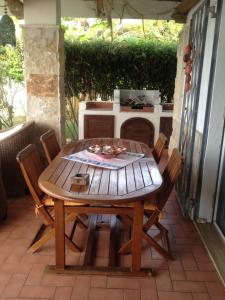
(128, 9)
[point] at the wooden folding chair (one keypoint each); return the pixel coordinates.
(157, 151)
(50, 145)
(153, 211)
(31, 167)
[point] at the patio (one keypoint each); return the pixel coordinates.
(190, 276)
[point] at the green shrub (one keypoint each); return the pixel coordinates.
(99, 67)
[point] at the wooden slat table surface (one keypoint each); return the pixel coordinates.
(136, 181)
(133, 184)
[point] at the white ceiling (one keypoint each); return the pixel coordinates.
(133, 9)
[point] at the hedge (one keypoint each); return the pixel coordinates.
(99, 67)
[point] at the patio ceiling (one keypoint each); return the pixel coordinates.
(130, 9)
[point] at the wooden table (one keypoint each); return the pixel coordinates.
(128, 187)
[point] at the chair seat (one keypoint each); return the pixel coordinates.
(47, 201)
(150, 206)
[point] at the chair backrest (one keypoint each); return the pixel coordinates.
(170, 176)
(31, 167)
(159, 147)
(50, 145)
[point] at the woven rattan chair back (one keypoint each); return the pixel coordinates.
(50, 145)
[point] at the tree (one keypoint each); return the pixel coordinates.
(11, 78)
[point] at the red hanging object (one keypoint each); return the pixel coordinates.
(187, 58)
(188, 78)
(188, 69)
(187, 50)
(187, 87)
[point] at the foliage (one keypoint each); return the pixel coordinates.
(98, 67)
(11, 78)
(7, 31)
(72, 113)
(98, 29)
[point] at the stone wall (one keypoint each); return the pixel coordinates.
(179, 89)
(44, 77)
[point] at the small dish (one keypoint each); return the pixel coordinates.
(107, 150)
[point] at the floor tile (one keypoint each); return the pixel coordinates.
(99, 281)
(35, 275)
(4, 278)
(37, 292)
(191, 276)
(12, 290)
(123, 283)
(174, 296)
(200, 296)
(63, 293)
(202, 276)
(131, 295)
(163, 281)
(176, 270)
(105, 294)
(58, 280)
(149, 294)
(216, 290)
(189, 286)
(81, 288)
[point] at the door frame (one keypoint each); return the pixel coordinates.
(207, 123)
(192, 97)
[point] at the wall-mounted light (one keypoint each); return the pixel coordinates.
(7, 29)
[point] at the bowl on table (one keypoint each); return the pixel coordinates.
(107, 151)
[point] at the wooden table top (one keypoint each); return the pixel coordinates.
(137, 181)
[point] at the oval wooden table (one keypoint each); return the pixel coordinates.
(117, 192)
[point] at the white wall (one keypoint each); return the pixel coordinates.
(44, 12)
(121, 117)
(215, 130)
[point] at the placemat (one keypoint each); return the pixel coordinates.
(114, 163)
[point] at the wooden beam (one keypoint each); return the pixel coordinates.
(179, 18)
(113, 242)
(186, 6)
(87, 270)
(181, 11)
(91, 243)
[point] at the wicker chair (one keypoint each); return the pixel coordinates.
(3, 199)
(9, 146)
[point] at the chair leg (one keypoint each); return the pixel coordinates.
(158, 248)
(164, 233)
(126, 248)
(43, 240)
(38, 234)
(81, 222)
(153, 217)
(39, 241)
(71, 245)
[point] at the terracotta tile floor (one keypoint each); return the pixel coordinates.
(190, 276)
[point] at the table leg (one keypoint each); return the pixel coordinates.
(137, 236)
(59, 234)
